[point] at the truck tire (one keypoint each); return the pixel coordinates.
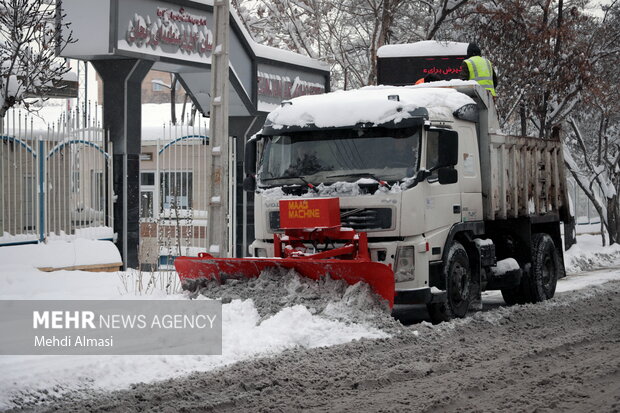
(546, 268)
(457, 276)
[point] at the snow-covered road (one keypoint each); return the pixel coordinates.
(246, 333)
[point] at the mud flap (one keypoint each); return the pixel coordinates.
(378, 276)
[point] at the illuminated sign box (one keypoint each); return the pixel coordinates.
(405, 64)
(310, 213)
(406, 70)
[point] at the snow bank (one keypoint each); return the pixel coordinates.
(59, 254)
(243, 337)
(588, 254)
(246, 334)
(368, 105)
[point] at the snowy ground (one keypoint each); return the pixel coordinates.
(247, 334)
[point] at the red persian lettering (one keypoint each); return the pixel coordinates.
(439, 71)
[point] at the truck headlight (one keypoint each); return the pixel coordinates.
(404, 264)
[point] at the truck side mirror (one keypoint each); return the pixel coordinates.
(249, 158)
(249, 183)
(447, 176)
(448, 148)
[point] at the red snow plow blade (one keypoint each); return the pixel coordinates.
(350, 262)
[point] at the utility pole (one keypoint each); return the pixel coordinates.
(217, 166)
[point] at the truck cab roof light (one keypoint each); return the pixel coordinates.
(395, 98)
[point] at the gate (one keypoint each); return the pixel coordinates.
(173, 199)
(56, 182)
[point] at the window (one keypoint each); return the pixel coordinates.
(331, 156)
(75, 182)
(147, 194)
(432, 153)
(157, 86)
(146, 204)
(97, 190)
(147, 178)
(176, 190)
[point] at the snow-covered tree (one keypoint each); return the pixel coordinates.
(542, 51)
(557, 64)
(345, 33)
(29, 47)
(593, 135)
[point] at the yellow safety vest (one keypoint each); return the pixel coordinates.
(481, 71)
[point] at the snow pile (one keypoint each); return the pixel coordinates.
(367, 105)
(424, 48)
(26, 379)
(504, 266)
(588, 254)
(59, 254)
(336, 189)
(250, 328)
(7, 238)
(278, 289)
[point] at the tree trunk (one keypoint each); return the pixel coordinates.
(523, 115)
(385, 26)
(613, 219)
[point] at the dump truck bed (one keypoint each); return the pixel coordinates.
(526, 179)
(522, 176)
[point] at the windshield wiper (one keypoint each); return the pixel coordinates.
(362, 174)
(301, 178)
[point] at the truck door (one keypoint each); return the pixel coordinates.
(443, 200)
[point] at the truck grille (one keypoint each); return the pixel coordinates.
(367, 219)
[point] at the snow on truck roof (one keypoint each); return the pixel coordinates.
(371, 105)
(424, 48)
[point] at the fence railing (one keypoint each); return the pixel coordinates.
(173, 197)
(587, 219)
(55, 181)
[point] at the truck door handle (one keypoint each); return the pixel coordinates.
(456, 209)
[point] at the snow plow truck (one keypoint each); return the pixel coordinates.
(410, 189)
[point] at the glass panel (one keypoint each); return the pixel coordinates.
(147, 178)
(176, 189)
(339, 155)
(432, 152)
(146, 204)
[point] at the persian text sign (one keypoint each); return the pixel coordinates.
(310, 213)
(390, 70)
(275, 84)
(283, 87)
(110, 327)
(171, 31)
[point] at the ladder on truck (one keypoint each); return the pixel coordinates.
(218, 153)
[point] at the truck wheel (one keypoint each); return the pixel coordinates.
(457, 276)
(546, 267)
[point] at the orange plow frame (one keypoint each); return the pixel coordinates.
(350, 262)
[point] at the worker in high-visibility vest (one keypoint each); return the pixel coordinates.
(478, 68)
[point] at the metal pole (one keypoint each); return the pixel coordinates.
(218, 227)
(41, 156)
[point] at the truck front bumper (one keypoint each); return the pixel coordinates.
(419, 296)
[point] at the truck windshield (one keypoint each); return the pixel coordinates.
(340, 155)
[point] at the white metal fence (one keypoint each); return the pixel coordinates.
(173, 208)
(587, 219)
(57, 181)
